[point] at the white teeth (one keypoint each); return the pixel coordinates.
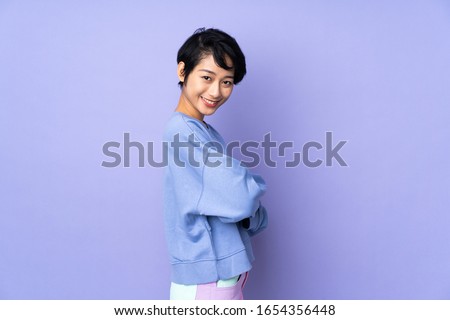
(209, 101)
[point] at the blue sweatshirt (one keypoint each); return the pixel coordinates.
(211, 205)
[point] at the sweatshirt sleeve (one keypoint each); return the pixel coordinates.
(256, 223)
(205, 181)
(229, 190)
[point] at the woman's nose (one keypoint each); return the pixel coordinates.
(214, 90)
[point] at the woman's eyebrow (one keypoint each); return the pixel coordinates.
(212, 72)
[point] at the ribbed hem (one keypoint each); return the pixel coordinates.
(199, 272)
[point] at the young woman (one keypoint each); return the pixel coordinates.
(211, 201)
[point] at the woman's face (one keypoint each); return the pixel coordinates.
(207, 88)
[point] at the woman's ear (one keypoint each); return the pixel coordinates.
(180, 71)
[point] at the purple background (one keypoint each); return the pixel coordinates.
(77, 74)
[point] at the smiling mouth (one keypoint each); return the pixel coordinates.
(210, 103)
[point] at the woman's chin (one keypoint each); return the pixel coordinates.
(209, 111)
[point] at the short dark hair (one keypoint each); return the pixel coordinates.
(216, 42)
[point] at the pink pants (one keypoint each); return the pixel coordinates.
(210, 291)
